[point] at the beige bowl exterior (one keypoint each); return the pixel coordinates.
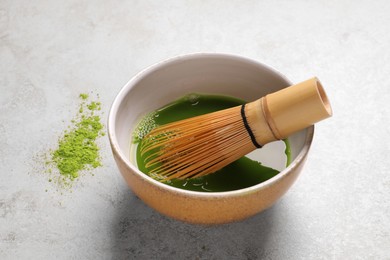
(190, 206)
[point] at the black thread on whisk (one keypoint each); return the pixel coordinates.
(248, 128)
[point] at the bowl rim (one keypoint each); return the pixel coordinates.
(207, 195)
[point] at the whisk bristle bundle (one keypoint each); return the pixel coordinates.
(197, 146)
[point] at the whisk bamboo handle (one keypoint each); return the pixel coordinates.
(282, 113)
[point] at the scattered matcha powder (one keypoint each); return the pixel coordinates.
(84, 96)
(77, 149)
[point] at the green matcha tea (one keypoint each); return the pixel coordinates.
(242, 173)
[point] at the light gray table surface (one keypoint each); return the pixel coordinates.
(51, 51)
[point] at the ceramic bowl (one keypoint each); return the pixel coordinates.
(221, 74)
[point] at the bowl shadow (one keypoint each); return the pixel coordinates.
(139, 232)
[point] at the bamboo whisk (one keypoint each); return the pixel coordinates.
(201, 145)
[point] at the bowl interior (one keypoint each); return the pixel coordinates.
(202, 73)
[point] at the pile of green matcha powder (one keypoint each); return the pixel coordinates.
(77, 148)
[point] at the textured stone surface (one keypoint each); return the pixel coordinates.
(51, 51)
